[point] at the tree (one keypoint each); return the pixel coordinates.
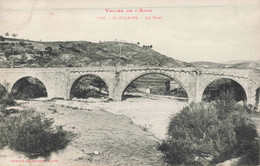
(22, 43)
(6, 34)
(48, 50)
(2, 38)
(14, 35)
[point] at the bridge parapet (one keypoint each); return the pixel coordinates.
(228, 72)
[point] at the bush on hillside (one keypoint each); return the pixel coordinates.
(29, 51)
(203, 134)
(55, 52)
(29, 47)
(32, 134)
(48, 50)
(22, 43)
(7, 53)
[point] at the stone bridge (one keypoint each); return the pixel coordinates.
(59, 81)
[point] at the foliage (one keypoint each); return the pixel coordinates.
(215, 88)
(14, 35)
(90, 86)
(178, 92)
(2, 38)
(195, 135)
(22, 43)
(2, 91)
(203, 134)
(29, 88)
(225, 102)
(7, 53)
(30, 47)
(33, 134)
(48, 50)
(7, 99)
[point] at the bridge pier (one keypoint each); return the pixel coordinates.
(252, 96)
(192, 99)
(114, 93)
(115, 97)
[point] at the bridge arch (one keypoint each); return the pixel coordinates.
(104, 83)
(238, 85)
(128, 83)
(16, 86)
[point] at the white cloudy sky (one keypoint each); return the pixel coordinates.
(201, 30)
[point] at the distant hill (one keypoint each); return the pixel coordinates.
(245, 65)
(25, 53)
(208, 64)
(241, 61)
(231, 64)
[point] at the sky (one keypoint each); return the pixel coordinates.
(201, 30)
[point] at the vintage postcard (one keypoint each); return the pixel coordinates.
(131, 82)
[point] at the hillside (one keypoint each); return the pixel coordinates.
(25, 53)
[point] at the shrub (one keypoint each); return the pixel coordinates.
(203, 134)
(17, 51)
(7, 112)
(30, 47)
(22, 43)
(2, 91)
(7, 99)
(55, 52)
(48, 50)
(225, 100)
(196, 136)
(33, 134)
(74, 49)
(7, 53)
(2, 38)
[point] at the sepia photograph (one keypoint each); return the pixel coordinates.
(129, 83)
